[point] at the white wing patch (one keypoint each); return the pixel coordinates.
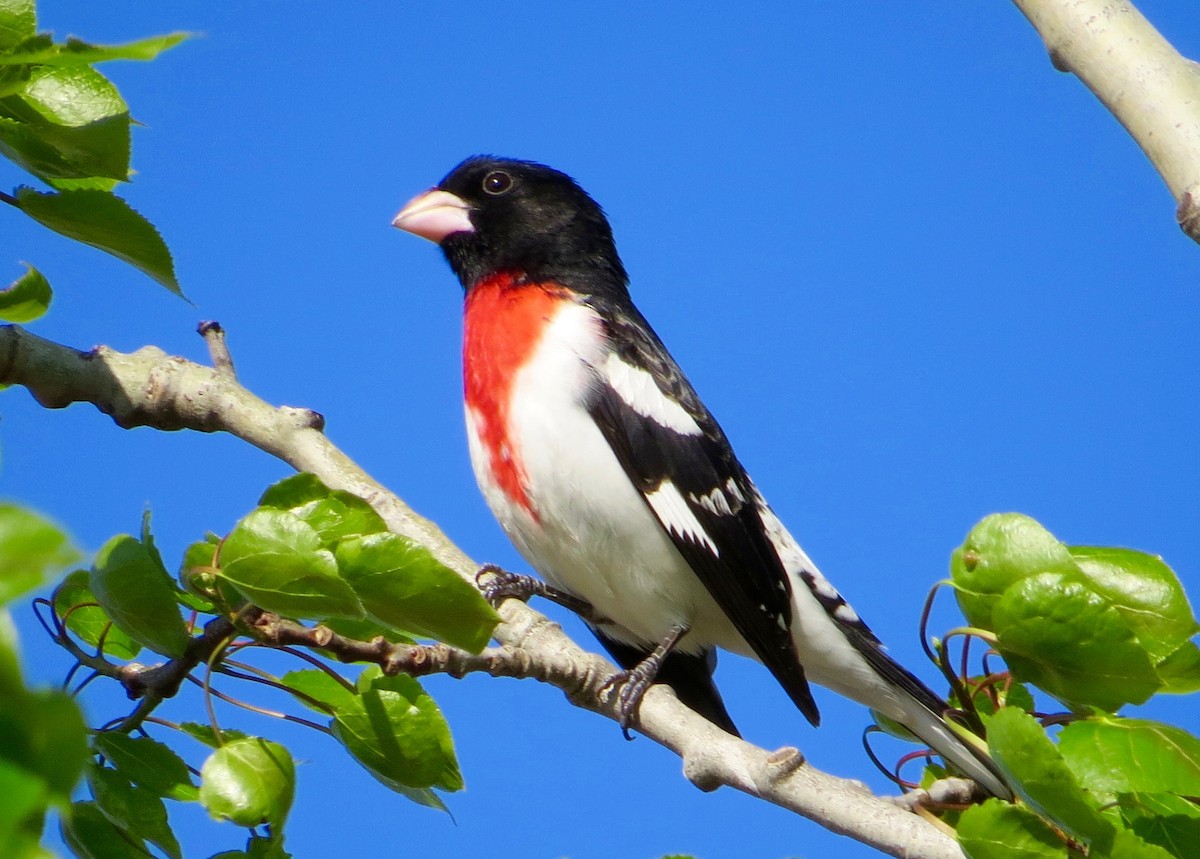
(673, 512)
(637, 388)
(714, 502)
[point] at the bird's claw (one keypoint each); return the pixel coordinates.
(629, 687)
(498, 584)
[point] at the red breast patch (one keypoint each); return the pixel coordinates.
(503, 323)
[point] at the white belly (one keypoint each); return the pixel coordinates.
(591, 532)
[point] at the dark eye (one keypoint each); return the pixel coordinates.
(497, 182)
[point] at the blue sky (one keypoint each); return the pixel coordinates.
(917, 274)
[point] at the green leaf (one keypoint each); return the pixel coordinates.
(91, 835)
(1057, 633)
(1042, 778)
(77, 605)
(1165, 819)
(1112, 756)
(402, 585)
(31, 548)
(147, 762)
(78, 52)
(294, 490)
(206, 735)
(137, 593)
(1128, 845)
(1145, 591)
(250, 782)
(23, 810)
(1000, 830)
(1180, 672)
(319, 686)
(68, 122)
(1002, 549)
(334, 514)
(11, 683)
(198, 574)
(107, 222)
(395, 730)
(44, 734)
(276, 561)
(137, 811)
(27, 298)
(18, 21)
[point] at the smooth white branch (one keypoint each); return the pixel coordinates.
(1147, 85)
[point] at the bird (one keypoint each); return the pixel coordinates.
(615, 482)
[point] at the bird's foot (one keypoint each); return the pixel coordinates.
(631, 686)
(498, 584)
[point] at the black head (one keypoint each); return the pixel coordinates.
(500, 214)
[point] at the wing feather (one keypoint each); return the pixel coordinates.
(699, 493)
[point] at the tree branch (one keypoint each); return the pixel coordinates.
(150, 388)
(1146, 84)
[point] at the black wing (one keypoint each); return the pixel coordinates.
(733, 556)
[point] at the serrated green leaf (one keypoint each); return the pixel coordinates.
(137, 593)
(206, 735)
(276, 561)
(1111, 756)
(1002, 549)
(319, 686)
(402, 585)
(44, 734)
(77, 605)
(137, 811)
(70, 122)
(147, 762)
(1165, 819)
(18, 21)
(1057, 633)
(31, 548)
(1000, 830)
(1145, 591)
(1180, 672)
(107, 222)
(27, 298)
(1127, 845)
(395, 730)
(1019, 696)
(249, 782)
(76, 52)
(90, 183)
(1038, 773)
(91, 835)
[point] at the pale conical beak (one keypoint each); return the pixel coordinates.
(435, 215)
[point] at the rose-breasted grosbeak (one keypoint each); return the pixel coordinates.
(615, 482)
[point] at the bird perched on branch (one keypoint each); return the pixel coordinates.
(613, 480)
